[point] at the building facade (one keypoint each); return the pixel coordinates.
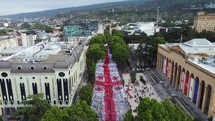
(6, 42)
(49, 68)
(28, 39)
(190, 66)
(204, 21)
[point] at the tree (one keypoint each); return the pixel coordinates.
(34, 108)
(114, 40)
(107, 34)
(55, 114)
(96, 52)
(120, 53)
(154, 45)
(48, 29)
(86, 93)
(153, 48)
(98, 39)
(133, 77)
(26, 25)
(79, 112)
(117, 33)
(129, 116)
(151, 110)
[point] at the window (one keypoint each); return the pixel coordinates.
(44, 67)
(4, 74)
(32, 67)
(19, 68)
(61, 74)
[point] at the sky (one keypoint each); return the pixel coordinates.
(22, 6)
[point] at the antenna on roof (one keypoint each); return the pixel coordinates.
(157, 16)
(181, 38)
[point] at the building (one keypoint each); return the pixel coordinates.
(139, 27)
(53, 68)
(190, 66)
(80, 29)
(7, 41)
(28, 39)
(204, 22)
(10, 51)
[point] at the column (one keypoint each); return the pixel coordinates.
(174, 75)
(204, 99)
(176, 78)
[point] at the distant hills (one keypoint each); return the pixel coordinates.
(169, 4)
(72, 9)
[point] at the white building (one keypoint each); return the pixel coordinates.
(52, 68)
(7, 41)
(139, 27)
(28, 40)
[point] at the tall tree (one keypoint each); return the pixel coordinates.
(34, 108)
(96, 52)
(120, 53)
(86, 93)
(81, 111)
(151, 110)
(55, 114)
(97, 39)
(129, 116)
(117, 33)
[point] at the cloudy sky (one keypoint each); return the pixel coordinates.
(21, 6)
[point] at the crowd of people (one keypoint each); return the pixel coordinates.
(109, 97)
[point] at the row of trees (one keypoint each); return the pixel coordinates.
(186, 33)
(152, 110)
(37, 109)
(46, 28)
(120, 51)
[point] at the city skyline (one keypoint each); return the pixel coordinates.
(23, 6)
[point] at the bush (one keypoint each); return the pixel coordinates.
(133, 77)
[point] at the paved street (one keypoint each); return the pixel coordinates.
(157, 87)
(138, 90)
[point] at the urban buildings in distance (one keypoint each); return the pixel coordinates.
(203, 21)
(190, 66)
(79, 29)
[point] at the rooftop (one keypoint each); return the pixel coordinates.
(43, 57)
(199, 51)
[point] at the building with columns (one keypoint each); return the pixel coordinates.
(52, 68)
(190, 66)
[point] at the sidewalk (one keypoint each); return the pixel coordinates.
(189, 105)
(138, 90)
